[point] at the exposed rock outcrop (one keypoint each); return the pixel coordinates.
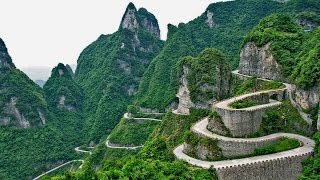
(306, 99)
(210, 21)
(133, 20)
(5, 59)
(149, 22)
(11, 109)
(259, 61)
(183, 94)
(129, 20)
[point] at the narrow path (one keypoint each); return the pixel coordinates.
(38, 177)
(126, 116)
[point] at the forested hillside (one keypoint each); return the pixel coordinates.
(224, 26)
(109, 69)
(29, 143)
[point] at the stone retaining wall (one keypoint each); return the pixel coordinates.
(277, 169)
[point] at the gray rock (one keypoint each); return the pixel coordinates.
(183, 94)
(129, 20)
(210, 21)
(255, 61)
(306, 99)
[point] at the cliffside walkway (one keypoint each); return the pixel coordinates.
(200, 128)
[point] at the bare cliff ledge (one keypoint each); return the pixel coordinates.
(260, 62)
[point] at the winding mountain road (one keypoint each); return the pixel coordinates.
(289, 88)
(307, 145)
(58, 167)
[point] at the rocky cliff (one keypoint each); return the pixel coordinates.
(203, 80)
(259, 61)
(133, 20)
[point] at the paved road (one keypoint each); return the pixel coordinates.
(305, 116)
(83, 151)
(112, 146)
(38, 177)
(200, 127)
(146, 119)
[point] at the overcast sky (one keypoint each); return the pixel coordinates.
(46, 32)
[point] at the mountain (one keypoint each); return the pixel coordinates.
(65, 101)
(223, 26)
(110, 69)
(29, 143)
(263, 38)
(22, 101)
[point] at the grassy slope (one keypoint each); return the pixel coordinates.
(132, 132)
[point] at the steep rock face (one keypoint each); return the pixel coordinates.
(210, 21)
(129, 20)
(133, 20)
(149, 22)
(5, 59)
(260, 62)
(306, 99)
(203, 80)
(183, 94)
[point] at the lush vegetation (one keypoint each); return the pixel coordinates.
(208, 70)
(283, 144)
(284, 119)
(311, 168)
(233, 20)
(154, 161)
(109, 70)
(68, 117)
(243, 104)
(240, 87)
(194, 142)
(29, 97)
(307, 72)
(286, 38)
(132, 132)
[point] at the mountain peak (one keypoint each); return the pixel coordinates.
(133, 20)
(5, 59)
(129, 19)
